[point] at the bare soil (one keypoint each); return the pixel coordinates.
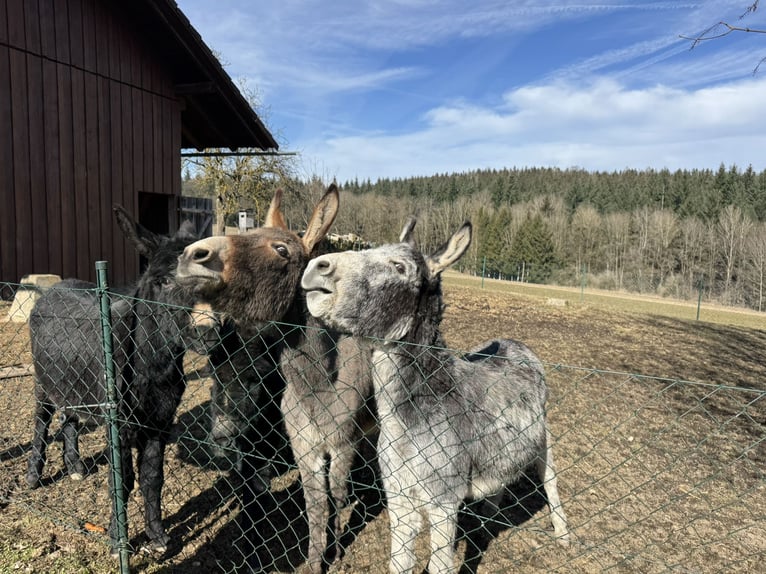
(659, 429)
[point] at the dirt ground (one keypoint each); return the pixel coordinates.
(659, 428)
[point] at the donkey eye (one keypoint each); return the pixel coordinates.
(399, 267)
(282, 251)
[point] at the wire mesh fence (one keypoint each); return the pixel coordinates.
(655, 475)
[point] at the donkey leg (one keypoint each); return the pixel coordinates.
(443, 521)
(312, 469)
(546, 470)
(340, 466)
(70, 429)
(150, 479)
(405, 523)
(36, 461)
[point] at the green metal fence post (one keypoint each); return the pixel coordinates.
(113, 432)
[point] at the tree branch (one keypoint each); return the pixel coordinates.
(706, 34)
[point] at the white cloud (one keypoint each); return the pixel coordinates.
(603, 127)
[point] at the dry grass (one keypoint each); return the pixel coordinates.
(656, 475)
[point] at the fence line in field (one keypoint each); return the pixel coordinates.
(655, 474)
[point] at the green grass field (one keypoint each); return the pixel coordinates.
(621, 301)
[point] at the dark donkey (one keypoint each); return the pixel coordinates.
(252, 280)
(151, 331)
(450, 429)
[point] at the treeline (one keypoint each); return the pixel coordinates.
(659, 232)
(687, 193)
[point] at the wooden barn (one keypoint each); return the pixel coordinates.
(97, 99)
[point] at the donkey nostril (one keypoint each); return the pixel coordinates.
(324, 266)
(199, 255)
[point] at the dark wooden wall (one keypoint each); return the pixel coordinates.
(88, 118)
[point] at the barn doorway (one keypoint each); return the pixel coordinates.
(156, 212)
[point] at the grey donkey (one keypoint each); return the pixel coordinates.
(326, 412)
(450, 429)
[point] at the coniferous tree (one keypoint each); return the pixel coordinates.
(532, 251)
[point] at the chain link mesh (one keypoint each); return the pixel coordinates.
(656, 475)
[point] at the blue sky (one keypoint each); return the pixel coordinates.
(416, 87)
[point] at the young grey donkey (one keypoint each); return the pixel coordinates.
(450, 429)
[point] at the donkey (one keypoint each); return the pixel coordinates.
(328, 412)
(256, 278)
(151, 332)
(450, 429)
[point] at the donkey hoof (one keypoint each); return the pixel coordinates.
(156, 546)
(33, 480)
(76, 476)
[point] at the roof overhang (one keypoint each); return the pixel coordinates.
(214, 113)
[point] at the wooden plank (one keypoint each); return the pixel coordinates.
(84, 258)
(129, 197)
(50, 114)
(104, 172)
(66, 155)
(114, 48)
(117, 259)
(138, 140)
(36, 134)
(123, 39)
(47, 29)
(16, 371)
(3, 21)
(32, 25)
(175, 149)
(103, 22)
(61, 23)
(167, 144)
(21, 167)
(136, 60)
(75, 33)
(150, 158)
(157, 142)
(89, 35)
(16, 25)
(92, 168)
(7, 213)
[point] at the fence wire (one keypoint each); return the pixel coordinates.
(655, 475)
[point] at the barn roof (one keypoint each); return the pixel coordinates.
(215, 113)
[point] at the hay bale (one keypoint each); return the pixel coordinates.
(26, 295)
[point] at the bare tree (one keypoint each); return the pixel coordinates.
(721, 29)
(692, 252)
(663, 231)
(617, 239)
(243, 181)
(755, 249)
(733, 228)
(586, 236)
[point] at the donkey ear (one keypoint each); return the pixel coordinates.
(145, 241)
(322, 218)
(451, 251)
(406, 236)
(274, 217)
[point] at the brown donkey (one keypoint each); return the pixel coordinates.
(255, 278)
